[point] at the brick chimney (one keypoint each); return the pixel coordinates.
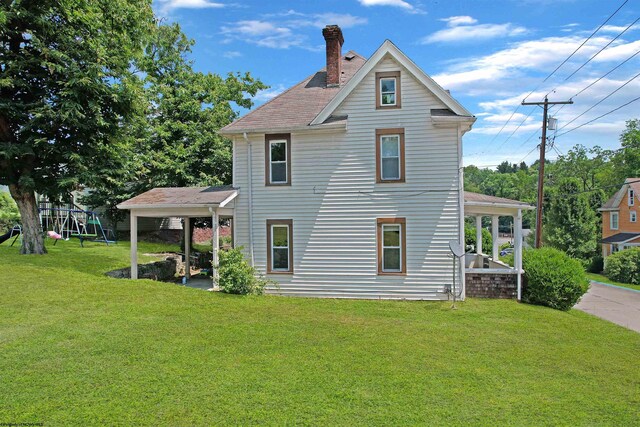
(333, 36)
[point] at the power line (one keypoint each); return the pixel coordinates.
(599, 102)
(599, 117)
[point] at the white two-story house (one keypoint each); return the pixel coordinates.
(349, 184)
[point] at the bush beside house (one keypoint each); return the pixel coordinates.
(552, 278)
(236, 276)
(624, 266)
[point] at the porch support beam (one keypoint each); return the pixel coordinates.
(215, 243)
(187, 248)
(517, 253)
(479, 234)
(494, 237)
(134, 245)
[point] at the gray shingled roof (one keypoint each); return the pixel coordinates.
(619, 238)
(298, 106)
(180, 197)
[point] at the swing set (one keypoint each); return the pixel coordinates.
(66, 223)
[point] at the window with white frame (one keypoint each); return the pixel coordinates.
(279, 246)
(391, 246)
(613, 221)
(631, 197)
(632, 216)
(278, 159)
(388, 90)
(390, 155)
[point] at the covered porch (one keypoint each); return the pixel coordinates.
(484, 267)
(185, 203)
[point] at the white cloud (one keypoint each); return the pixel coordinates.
(393, 3)
(462, 28)
(453, 21)
(285, 30)
(166, 6)
(232, 54)
(268, 94)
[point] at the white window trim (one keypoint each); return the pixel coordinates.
(633, 216)
(631, 197)
(611, 220)
(395, 92)
(382, 158)
(399, 227)
(273, 246)
(272, 162)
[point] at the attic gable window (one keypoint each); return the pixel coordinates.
(388, 93)
(277, 158)
(631, 197)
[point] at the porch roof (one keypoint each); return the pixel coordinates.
(180, 201)
(620, 238)
(475, 203)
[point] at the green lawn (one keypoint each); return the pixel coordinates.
(605, 279)
(78, 348)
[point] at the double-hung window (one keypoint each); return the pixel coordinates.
(278, 159)
(614, 221)
(389, 155)
(388, 90)
(392, 257)
(633, 216)
(631, 197)
(279, 246)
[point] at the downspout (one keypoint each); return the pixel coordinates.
(461, 213)
(250, 195)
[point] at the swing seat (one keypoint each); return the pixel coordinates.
(84, 236)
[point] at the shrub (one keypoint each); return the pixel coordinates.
(552, 278)
(470, 238)
(236, 276)
(624, 266)
(596, 265)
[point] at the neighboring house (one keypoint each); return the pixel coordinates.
(349, 184)
(620, 226)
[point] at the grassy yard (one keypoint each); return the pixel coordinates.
(78, 348)
(605, 279)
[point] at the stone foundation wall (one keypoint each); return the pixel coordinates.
(159, 270)
(491, 285)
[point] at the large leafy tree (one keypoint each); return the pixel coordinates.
(67, 95)
(177, 143)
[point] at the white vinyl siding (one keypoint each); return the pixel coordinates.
(335, 200)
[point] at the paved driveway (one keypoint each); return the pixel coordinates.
(617, 305)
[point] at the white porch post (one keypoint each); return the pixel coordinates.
(187, 248)
(134, 245)
(479, 234)
(215, 243)
(494, 236)
(517, 257)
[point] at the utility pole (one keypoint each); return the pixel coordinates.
(543, 146)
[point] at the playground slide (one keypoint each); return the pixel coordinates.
(6, 236)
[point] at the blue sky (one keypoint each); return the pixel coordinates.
(490, 54)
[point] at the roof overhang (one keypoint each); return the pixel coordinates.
(180, 207)
(484, 208)
(620, 238)
(334, 126)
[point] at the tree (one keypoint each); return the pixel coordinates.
(177, 143)
(67, 96)
(571, 224)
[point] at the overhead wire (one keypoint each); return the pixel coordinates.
(599, 117)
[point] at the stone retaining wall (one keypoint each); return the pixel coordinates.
(164, 271)
(491, 285)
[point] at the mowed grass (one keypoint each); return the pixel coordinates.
(604, 279)
(78, 348)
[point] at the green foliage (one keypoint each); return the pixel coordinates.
(9, 215)
(571, 224)
(596, 265)
(552, 278)
(236, 276)
(470, 238)
(624, 266)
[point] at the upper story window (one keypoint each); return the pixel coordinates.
(278, 159)
(633, 216)
(390, 155)
(388, 93)
(613, 221)
(279, 246)
(392, 246)
(631, 197)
